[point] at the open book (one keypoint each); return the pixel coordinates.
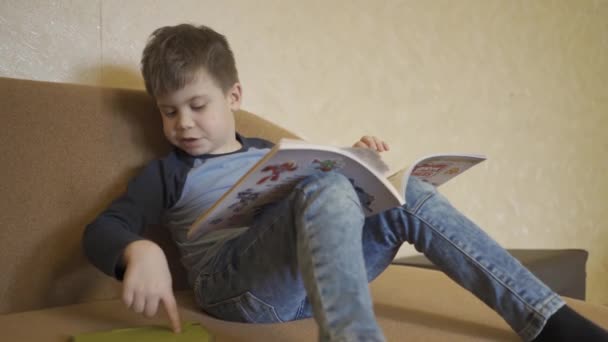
(289, 161)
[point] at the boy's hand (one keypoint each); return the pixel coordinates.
(147, 281)
(373, 143)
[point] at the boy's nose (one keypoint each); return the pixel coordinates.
(184, 121)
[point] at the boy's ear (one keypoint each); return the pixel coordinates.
(234, 97)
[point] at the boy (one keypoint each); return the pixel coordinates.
(310, 254)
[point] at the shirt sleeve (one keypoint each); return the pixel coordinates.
(124, 221)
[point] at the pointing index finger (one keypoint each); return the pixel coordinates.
(172, 312)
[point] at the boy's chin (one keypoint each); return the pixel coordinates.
(205, 148)
(194, 148)
(194, 151)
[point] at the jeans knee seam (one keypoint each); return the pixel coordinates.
(415, 214)
(315, 275)
(420, 203)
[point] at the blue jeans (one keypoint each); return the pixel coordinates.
(313, 254)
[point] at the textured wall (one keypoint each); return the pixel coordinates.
(525, 82)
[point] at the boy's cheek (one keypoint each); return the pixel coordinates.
(170, 137)
(168, 131)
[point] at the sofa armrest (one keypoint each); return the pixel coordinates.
(563, 270)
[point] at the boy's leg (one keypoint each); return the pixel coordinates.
(303, 253)
(257, 276)
(465, 253)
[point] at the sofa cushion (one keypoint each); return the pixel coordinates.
(411, 304)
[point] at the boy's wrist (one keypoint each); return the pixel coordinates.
(136, 248)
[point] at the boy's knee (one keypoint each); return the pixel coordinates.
(329, 187)
(329, 196)
(418, 191)
(323, 180)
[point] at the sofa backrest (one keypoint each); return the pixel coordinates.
(67, 151)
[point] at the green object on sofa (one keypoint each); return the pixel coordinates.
(191, 332)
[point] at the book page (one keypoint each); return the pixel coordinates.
(372, 158)
(290, 161)
(276, 176)
(438, 168)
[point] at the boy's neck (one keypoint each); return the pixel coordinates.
(235, 145)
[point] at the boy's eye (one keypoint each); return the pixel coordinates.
(169, 114)
(198, 107)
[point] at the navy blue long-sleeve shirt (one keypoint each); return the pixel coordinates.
(172, 191)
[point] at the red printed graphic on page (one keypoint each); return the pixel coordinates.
(326, 165)
(276, 170)
(428, 170)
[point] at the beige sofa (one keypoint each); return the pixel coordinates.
(67, 150)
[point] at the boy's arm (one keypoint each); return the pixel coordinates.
(112, 241)
(123, 222)
(147, 282)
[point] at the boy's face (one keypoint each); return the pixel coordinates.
(199, 117)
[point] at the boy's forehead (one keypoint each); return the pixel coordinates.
(199, 85)
(169, 99)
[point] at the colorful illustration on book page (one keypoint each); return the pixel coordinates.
(428, 170)
(272, 192)
(276, 171)
(244, 198)
(437, 172)
(327, 165)
(453, 171)
(365, 198)
(231, 219)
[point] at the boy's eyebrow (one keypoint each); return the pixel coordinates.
(203, 97)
